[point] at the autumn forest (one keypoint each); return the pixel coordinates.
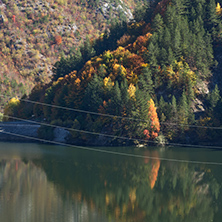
(155, 78)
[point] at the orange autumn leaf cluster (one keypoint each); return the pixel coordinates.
(13, 18)
(155, 124)
(124, 40)
(140, 45)
(58, 39)
(120, 62)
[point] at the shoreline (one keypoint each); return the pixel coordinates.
(28, 130)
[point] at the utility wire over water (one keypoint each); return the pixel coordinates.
(112, 136)
(112, 116)
(113, 152)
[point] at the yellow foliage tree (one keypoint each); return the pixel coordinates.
(132, 90)
(119, 70)
(108, 82)
(10, 108)
(180, 73)
(218, 9)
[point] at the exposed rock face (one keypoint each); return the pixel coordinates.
(26, 130)
(107, 8)
(8, 129)
(60, 135)
(2, 19)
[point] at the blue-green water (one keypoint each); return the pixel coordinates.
(54, 183)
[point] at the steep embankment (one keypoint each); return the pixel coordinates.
(35, 34)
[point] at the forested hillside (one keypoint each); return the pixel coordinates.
(35, 34)
(158, 73)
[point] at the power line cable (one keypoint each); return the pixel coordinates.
(113, 116)
(115, 152)
(78, 130)
(113, 136)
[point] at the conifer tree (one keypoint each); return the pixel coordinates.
(180, 6)
(163, 57)
(177, 42)
(214, 97)
(211, 16)
(145, 81)
(93, 94)
(166, 38)
(116, 100)
(161, 106)
(87, 50)
(139, 12)
(200, 10)
(170, 17)
(183, 111)
(124, 93)
(101, 71)
(65, 66)
(151, 55)
(141, 104)
(171, 57)
(157, 23)
(193, 14)
(174, 107)
(190, 92)
(139, 110)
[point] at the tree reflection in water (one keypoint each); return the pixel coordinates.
(129, 189)
(123, 189)
(26, 195)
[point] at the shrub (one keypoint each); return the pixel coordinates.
(11, 108)
(1, 117)
(46, 132)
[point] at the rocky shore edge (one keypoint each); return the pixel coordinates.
(21, 131)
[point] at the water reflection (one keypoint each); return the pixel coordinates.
(26, 195)
(85, 186)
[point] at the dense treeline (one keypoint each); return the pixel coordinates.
(157, 69)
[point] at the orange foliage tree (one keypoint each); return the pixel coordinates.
(58, 39)
(155, 124)
(13, 18)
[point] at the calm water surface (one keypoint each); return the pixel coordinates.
(54, 183)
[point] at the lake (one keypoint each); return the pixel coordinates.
(56, 183)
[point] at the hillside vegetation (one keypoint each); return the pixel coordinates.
(157, 73)
(35, 34)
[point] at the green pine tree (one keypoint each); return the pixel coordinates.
(214, 97)
(157, 23)
(93, 94)
(151, 55)
(177, 43)
(171, 57)
(183, 111)
(145, 81)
